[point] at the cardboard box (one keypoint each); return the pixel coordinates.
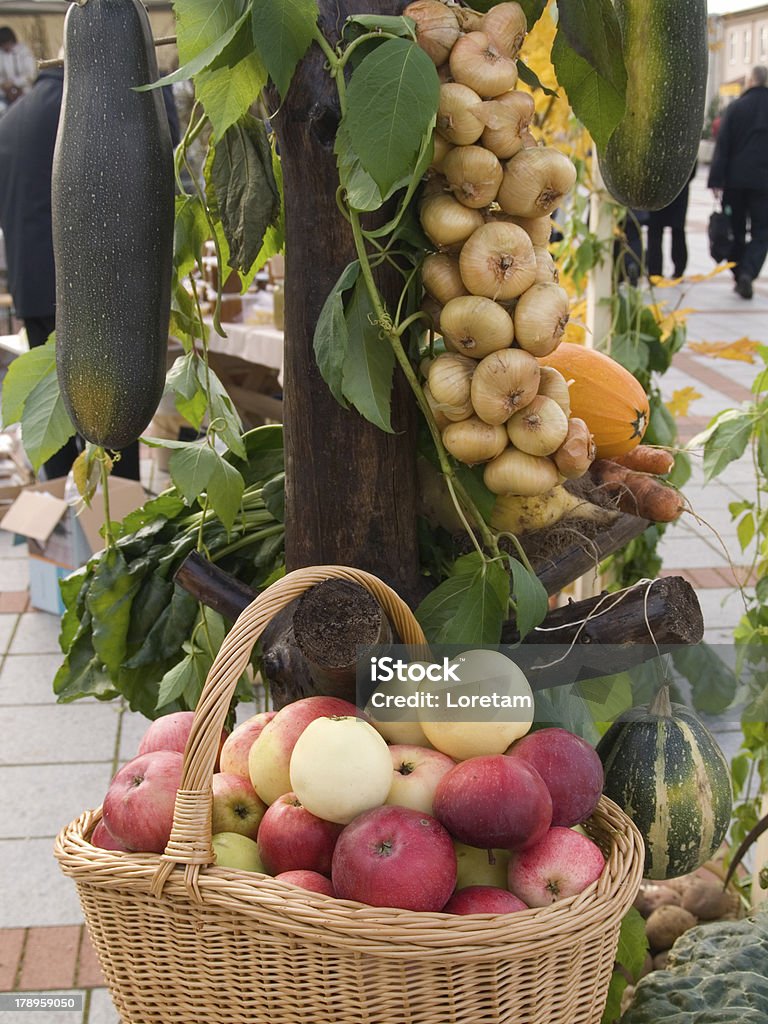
(59, 538)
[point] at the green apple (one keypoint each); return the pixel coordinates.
(232, 850)
(480, 867)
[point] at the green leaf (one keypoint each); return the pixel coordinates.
(109, 600)
(190, 232)
(595, 100)
(745, 530)
(282, 33)
(183, 382)
(247, 197)
(713, 682)
(22, 377)
(197, 468)
(200, 23)
(395, 25)
(633, 944)
(228, 93)
(362, 192)
(532, 80)
(727, 442)
(331, 335)
(369, 361)
(530, 598)
(202, 59)
(223, 414)
(592, 30)
(274, 497)
(176, 680)
(607, 696)
(45, 423)
(392, 99)
(470, 606)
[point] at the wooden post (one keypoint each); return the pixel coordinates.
(350, 487)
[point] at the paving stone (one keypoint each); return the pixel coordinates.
(102, 1009)
(37, 633)
(7, 626)
(721, 608)
(89, 974)
(64, 734)
(15, 574)
(35, 892)
(52, 796)
(28, 679)
(50, 956)
(132, 728)
(11, 945)
(14, 601)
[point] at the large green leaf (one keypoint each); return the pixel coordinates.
(23, 375)
(392, 99)
(109, 600)
(200, 24)
(247, 196)
(45, 423)
(228, 93)
(369, 361)
(596, 100)
(197, 468)
(182, 380)
(282, 33)
(362, 192)
(190, 232)
(593, 32)
(713, 682)
(331, 335)
(633, 947)
(530, 598)
(203, 58)
(470, 606)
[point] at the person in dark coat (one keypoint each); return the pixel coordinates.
(27, 140)
(673, 217)
(739, 174)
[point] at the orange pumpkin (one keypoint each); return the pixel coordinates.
(607, 397)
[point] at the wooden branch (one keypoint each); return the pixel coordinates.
(215, 588)
(587, 553)
(57, 62)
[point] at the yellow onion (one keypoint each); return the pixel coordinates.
(447, 222)
(450, 380)
(507, 119)
(441, 277)
(538, 229)
(473, 174)
(504, 382)
(498, 261)
(546, 269)
(441, 151)
(541, 316)
(577, 452)
(476, 62)
(506, 25)
(433, 309)
(476, 326)
(552, 384)
(535, 181)
(469, 21)
(440, 418)
(515, 472)
(473, 441)
(455, 120)
(538, 429)
(436, 28)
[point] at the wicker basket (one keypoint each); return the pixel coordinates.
(182, 941)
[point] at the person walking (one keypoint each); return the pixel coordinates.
(739, 176)
(18, 67)
(673, 217)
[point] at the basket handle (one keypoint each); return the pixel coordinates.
(190, 839)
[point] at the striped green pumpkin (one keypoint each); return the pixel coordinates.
(665, 769)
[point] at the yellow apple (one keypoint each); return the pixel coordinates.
(233, 850)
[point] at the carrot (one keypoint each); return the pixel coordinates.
(639, 494)
(646, 459)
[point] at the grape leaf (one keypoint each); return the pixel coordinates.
(369, 361)
(282, 33)
(470, 606)
(45, 423)
(331, 334)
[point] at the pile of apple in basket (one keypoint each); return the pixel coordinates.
(463, 818)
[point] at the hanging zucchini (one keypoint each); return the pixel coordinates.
(113, 209)
(651, 154)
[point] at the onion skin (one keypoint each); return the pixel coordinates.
(503, 383)
(473, 441)
(535, 182)
(437, 28)
(515, 472)
(498, 261)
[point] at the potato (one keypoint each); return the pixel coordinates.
(652, 896)
(706, 901)
(660, 960)
(666, 924)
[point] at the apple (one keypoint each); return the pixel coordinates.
(483, 899)
(480, 867)
(171, 732)
(311, 880)
(270, 754)
(339, 768)
(561, 864)
(138, 806)
(395, 857)
(291, 838)
(401, 725)
(494, 802)
(571, 769)
(233, 758)
(417, 771)
(236, 805)
(233, 850)
(478, 728)
(103, 838)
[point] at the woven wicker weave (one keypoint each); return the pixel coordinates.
(181, 941)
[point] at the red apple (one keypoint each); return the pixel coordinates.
(395, 857)
(293, 839)
(270, 755)
(138, 807)
(103, 838)
(494, 802)
(571, 769)
(233, 758)
(311, 880)
(483, 899)
(417, 771)
(236, 805)
(562, 864)
(171, 732)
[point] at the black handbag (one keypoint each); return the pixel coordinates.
(720, 234)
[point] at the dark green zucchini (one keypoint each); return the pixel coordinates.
(650, 156)
(113, 209)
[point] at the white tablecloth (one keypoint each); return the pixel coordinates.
(253, 343)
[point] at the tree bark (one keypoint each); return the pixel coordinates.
(350, 487)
